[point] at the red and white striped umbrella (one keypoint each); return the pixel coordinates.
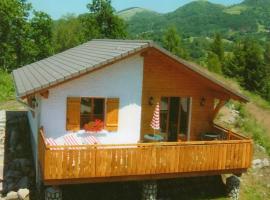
(155, 120)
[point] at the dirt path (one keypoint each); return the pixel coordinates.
(262, 115)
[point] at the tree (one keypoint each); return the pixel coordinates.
(41, 34)
(172, 42)
(89, 26)
(13, 32)
(235, 63)
(68, 32)
(23, 40)
(248, 65)
(109, 25)
(255, 71)
(267, 65)
(217, 47)
(267, 54)
(213, 63)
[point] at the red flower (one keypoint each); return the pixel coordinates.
(95, 126)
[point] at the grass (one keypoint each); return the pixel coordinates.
(6, 87)
(235, 10)
(258, 100)
(250, 126)
(251, 193)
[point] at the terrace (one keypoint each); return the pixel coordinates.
(68, 164)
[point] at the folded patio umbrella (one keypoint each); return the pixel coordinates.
(155, 124)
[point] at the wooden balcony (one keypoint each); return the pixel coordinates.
(97, 163)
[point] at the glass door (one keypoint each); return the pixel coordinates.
(174, 117)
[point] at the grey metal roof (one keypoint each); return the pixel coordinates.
(82, 59)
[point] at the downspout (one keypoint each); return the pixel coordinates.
(36, 110)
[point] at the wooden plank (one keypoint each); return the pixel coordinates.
(215, 157)
(247, 155)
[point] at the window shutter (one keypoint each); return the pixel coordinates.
(112, 109)
(73, 113)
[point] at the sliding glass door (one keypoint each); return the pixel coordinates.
(174, 117)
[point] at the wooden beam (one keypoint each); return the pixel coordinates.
(220, 104)
(45, 94)
(141, 177)
(144, 53)
(220, 95)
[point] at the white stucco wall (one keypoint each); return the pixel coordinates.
(123, 79)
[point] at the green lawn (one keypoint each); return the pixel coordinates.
(6, 87)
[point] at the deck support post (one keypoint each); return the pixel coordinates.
(149, 190)
(53, 193)
(233, 187)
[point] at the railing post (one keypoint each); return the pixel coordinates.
(229, 134)
(41, 152)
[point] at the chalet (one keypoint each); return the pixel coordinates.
(91, 110)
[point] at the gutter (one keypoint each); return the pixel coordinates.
(18, 99)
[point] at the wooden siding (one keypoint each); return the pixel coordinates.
(86, 163)
(165, 77)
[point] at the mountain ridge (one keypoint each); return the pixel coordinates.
(128, 13)
(204, 18)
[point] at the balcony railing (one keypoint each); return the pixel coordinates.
(87, 163)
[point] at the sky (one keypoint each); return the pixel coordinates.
(58, 8)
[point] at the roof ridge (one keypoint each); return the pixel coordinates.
(124, 40)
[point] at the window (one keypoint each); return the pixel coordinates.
(83, 112)
(98, 112)
(174, 117)
(184, 114)
(86, 110)
(92, 109)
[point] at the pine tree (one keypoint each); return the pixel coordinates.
(234, 64)
(172, 42)
(108, 24)
(266, 89)
(217, 47)
(213, 63)
(255, 71)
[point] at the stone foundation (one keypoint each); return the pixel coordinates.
(53, 193)
(149, 190)
(233, 187)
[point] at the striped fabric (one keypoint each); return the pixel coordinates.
(71, 139)
(91, 140)
(155, 120)
(51, 142)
